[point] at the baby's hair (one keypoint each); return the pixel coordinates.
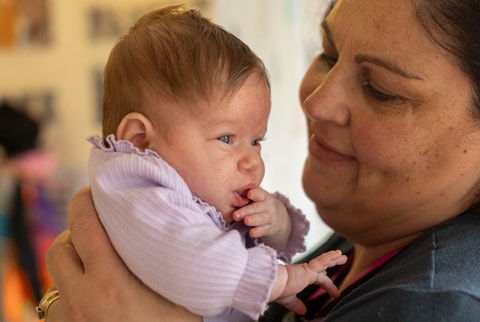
(178, 54)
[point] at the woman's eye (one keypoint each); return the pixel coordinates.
(328, 60)
(379, 95)
(225, 139)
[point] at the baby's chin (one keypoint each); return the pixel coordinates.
(228, 215)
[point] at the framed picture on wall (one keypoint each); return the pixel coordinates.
(24, 23)
(110, 21)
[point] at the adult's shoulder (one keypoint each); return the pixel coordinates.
(436, 278)
(445, 258)
(455, 253)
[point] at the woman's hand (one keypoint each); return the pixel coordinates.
(93, 282)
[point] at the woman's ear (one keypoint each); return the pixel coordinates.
(136, 128)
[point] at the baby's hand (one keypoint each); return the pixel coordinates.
(314, 272)
(268, 217)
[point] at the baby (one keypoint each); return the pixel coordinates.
(176, 177)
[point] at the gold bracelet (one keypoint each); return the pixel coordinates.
(45, 302)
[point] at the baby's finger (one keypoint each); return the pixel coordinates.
(326, 260)
(259, 232)
(257, 194)
(250, 209)
(259, 219)
(326, 283)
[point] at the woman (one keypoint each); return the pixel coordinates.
(392, 106)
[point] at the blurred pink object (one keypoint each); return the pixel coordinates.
(36, 164)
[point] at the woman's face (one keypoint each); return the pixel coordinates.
(393, 148)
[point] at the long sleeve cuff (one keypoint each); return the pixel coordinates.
(254, 289)
(300, 227)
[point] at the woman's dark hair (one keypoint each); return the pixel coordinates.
(455, 26)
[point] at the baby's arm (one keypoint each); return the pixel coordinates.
(291, 279)
(177, 251)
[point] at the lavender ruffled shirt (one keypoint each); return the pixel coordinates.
(177, 244)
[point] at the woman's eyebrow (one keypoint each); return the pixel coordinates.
(391, 66)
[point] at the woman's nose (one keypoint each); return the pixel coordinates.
(329, 100)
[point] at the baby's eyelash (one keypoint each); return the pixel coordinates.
(258, 141)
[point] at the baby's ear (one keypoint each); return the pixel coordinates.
(136, 128)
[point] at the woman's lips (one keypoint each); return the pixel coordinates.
(323, 152)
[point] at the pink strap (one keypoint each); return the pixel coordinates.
(375, 265)
(369, 269)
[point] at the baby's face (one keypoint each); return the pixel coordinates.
(217, 151)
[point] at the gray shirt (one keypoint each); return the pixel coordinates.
(436, 278)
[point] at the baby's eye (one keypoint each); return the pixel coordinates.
(225, 139)
(257, 141)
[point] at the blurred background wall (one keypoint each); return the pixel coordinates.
(52, 54)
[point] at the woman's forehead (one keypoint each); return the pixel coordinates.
(385, 29)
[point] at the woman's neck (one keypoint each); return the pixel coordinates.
(366, 256)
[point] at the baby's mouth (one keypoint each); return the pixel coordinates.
(241, 198)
